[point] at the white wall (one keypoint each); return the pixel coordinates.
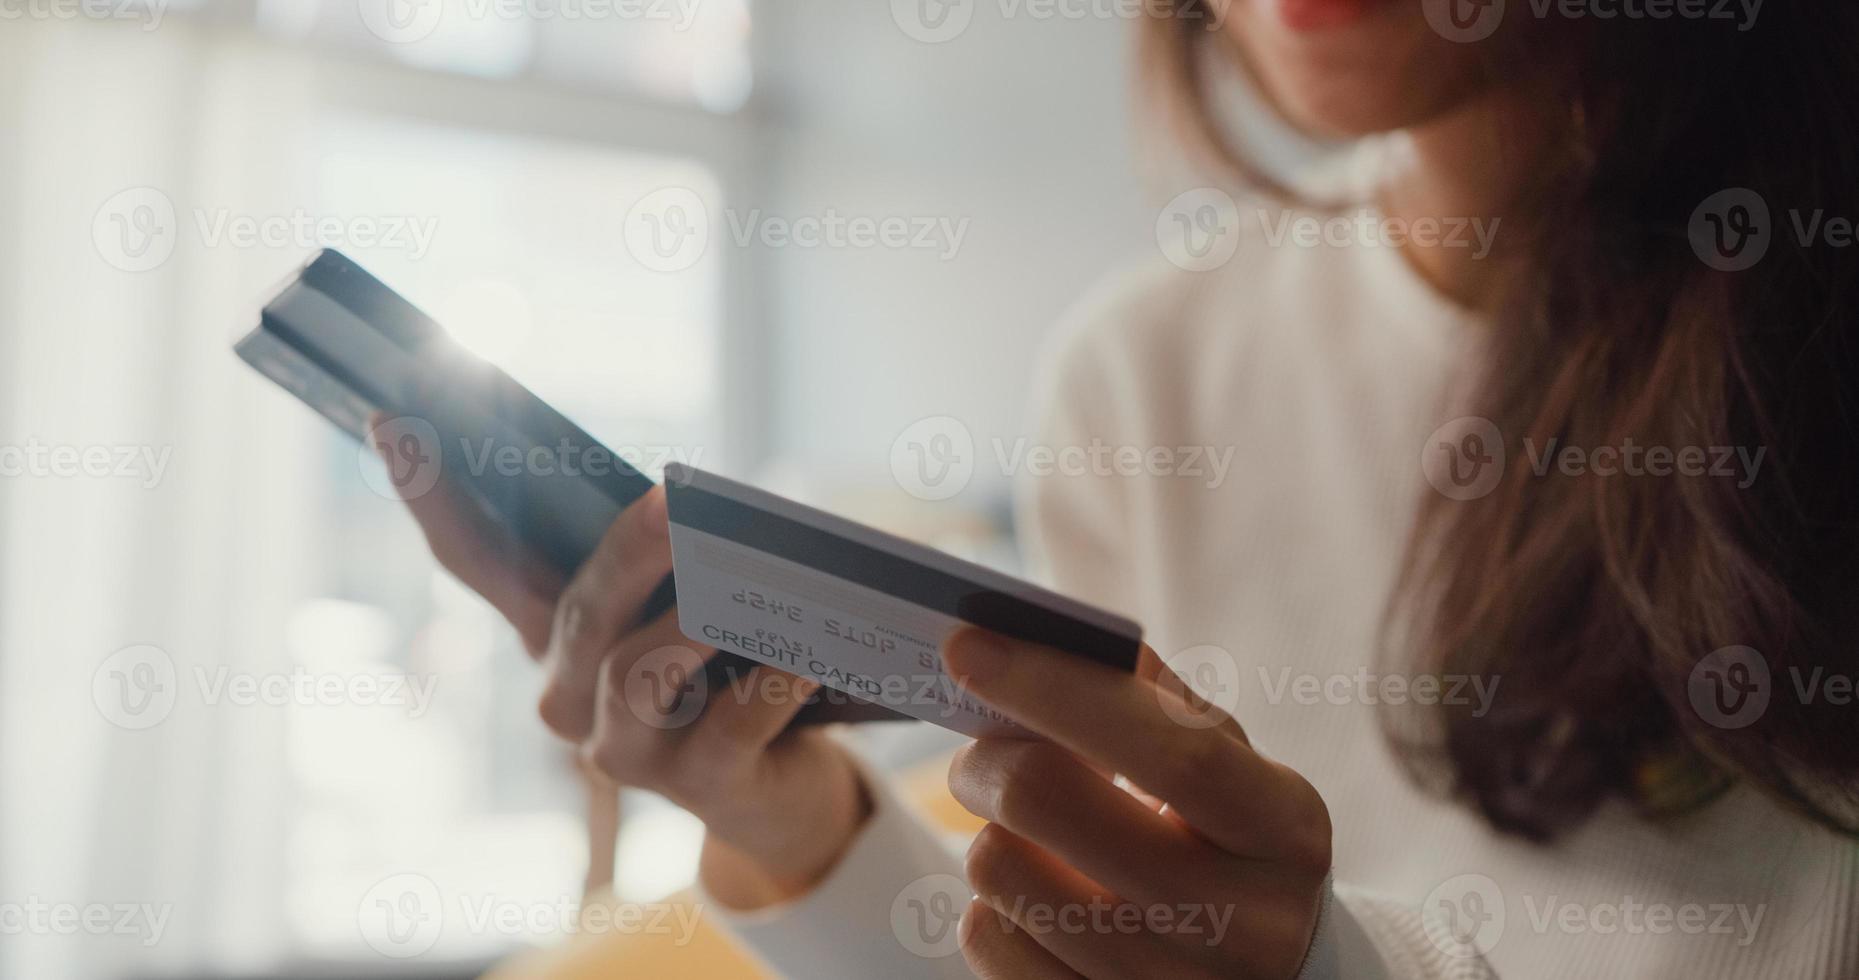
(1022, 126)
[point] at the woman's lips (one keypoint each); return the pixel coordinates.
(1318, 15)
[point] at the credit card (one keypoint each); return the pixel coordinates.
(859, 610)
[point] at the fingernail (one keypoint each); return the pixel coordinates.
(975, 656)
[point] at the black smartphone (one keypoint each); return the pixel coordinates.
(350, 347)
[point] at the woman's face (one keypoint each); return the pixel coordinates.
(1346, 68)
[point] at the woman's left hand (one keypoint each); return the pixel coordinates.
(1216, 869)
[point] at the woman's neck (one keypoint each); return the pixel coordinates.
(1472, 165)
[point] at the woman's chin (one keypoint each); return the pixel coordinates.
(1341, 69)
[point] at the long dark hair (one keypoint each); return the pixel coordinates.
(1602, 601)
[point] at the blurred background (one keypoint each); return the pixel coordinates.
(238, 702)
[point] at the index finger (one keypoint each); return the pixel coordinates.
(1207, 772)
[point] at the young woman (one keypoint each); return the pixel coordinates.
(1588, 715)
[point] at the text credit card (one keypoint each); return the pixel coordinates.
(856, 609)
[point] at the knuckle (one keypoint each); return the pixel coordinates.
(979, 936)
(562, 714)
(1198, 759)
(989, 860)
(696, 765)
(580, 618)
(611, 759)
(1029, 785)
(637, 537)
(684, 783)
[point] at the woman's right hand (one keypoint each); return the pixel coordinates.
(780, 806)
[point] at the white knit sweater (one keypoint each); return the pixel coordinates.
(1324, 369)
